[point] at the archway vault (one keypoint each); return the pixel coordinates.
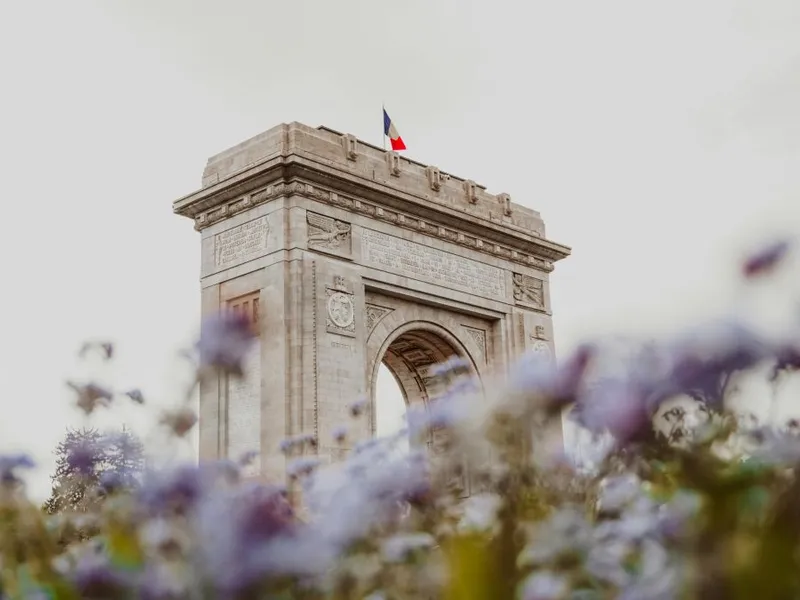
(409, 339)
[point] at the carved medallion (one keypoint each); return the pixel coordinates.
(325, 233)
(529, 290)
(340, 310)
(341, 313)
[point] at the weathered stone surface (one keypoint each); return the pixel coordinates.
(418, 261)
(358, 257)
(238, 243)
(244, 412)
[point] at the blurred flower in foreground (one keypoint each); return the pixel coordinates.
(180, 420)
(468, 512)
(225, 340)
(105, 349)
(90, 396)
(544, 586)
(10, 464)
(766, 259)
(135, 395)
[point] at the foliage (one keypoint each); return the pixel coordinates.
(88, 463)
(676, 507)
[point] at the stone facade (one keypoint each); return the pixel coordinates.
(356, 256)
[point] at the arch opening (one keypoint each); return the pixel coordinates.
(403, 377)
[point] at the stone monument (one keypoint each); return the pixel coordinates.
(347, 256)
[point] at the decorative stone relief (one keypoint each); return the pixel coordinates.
(374, 314)
(325, 233)
(539, 333)
(341, 312)
(529, 290)
(479, 337)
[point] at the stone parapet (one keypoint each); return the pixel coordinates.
(238, 178)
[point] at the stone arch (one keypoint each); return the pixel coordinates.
(409, 349)
(444, 321)
(341, 245)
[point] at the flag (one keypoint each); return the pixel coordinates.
(390, 131)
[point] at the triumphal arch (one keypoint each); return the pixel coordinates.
(348, 256)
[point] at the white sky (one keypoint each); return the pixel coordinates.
(655, 139)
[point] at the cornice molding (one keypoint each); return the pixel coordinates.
(229, 196)
(542, 260)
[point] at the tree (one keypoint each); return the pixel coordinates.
(91, 464)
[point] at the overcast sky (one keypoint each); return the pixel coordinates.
(658, 140)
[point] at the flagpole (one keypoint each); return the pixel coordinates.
(383, 126)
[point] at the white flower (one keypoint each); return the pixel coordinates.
(544, 586)
(480, 512)
(398, 547)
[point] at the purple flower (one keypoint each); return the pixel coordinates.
(765, 260)
(455, 365)
(616, 406)
(703, 359)
(95, 578)
(90, 396)
(339, 434)
(302, 466)
(135, 395)
(368, 489)
(559, 385)
(247, 458)
(298, 442)
(787, 359)
(180, 421)
(106, 349)
(358, 407)
(675, 518)
(10, 463)
(617, 492)
(175, 491)
(238, 531)
(566, 532)
(225, 340)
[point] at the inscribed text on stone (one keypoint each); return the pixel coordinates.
(241, 242)
(429, 264)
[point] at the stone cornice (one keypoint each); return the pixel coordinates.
(280, 175)
(374, 211)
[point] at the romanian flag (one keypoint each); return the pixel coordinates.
(390, 131)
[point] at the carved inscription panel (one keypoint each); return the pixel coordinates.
(242, 242)
(244, 413)
(429, 264)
